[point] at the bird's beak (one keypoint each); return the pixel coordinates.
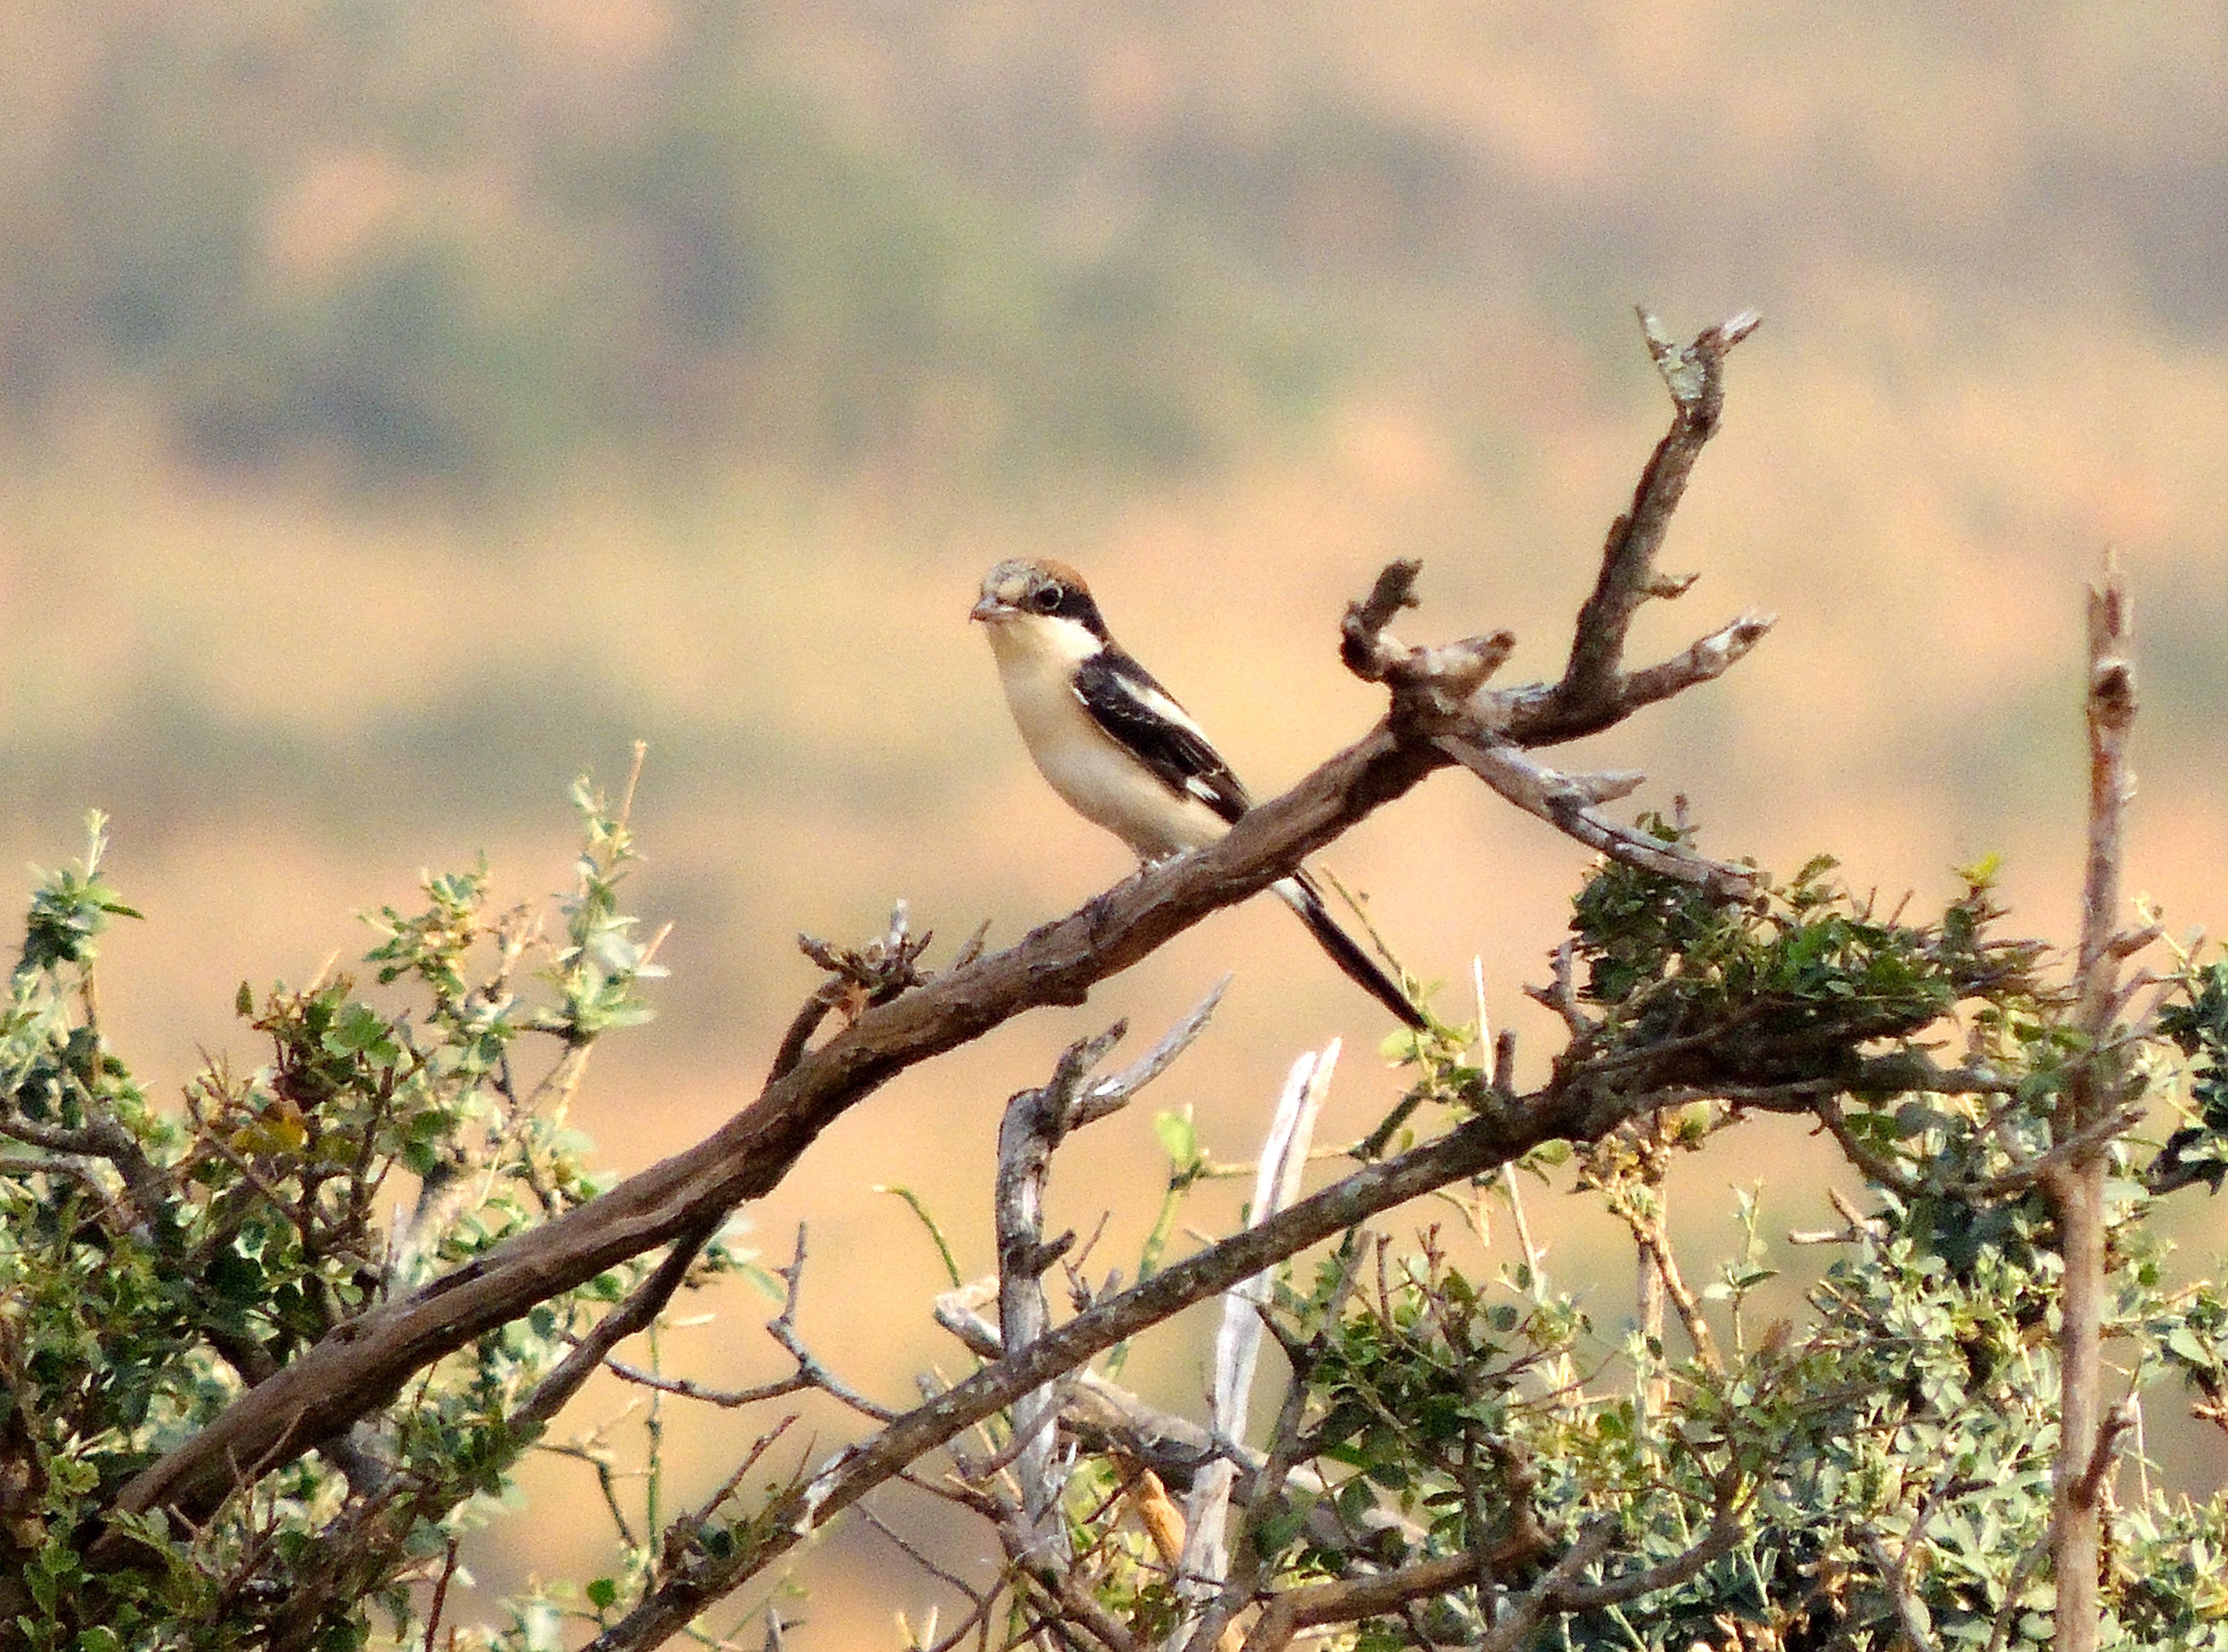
(988, 608)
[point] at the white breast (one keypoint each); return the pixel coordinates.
(1101, 782)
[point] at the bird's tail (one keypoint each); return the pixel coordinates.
(1299, 892)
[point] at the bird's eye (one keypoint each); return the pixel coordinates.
(1045, 598)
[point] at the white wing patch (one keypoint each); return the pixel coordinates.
(1155, 704)
(1161, 706)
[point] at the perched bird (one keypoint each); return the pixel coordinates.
(1116, 746)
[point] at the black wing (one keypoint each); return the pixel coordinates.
(1123, 700)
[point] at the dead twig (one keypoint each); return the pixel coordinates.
(1567, 802)
(643, 1305)
(2093, 1096)
(1238, 1338)
(1035, 1124)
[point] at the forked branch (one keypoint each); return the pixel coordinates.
(1594, 690)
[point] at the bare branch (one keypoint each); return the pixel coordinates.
(816, 1375)
(726, 1398)
(2092, 1095)
(1561, 994)
(1431, 686)
(809, 1373)
(1363, 644)
(1593, 682)
(1350, 1600)
(1238, 1338)
(1704, 661)
(606, 1480)
(1110, 1093)
(950, 1579)
(647, 1301)
(873, 974)
(1036, 1121)
(1566, 802)
(1440, 692)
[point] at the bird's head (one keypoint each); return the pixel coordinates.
(1017, 592)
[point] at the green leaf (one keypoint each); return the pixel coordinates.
(1179, 1138)
(358, 1029)
(2186, 1346)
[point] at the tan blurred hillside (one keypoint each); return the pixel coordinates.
(404, 405)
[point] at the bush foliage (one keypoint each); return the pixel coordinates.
(1872, 1469)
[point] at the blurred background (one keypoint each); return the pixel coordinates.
(404, 405)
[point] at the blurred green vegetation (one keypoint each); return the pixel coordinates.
(952, 282)
(391, 237)
(470, 247)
